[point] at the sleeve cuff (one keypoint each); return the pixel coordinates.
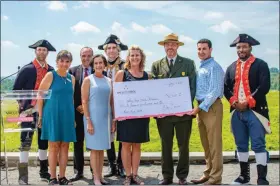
(203, 107)
(251, 101)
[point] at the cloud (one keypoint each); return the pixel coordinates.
(8, 44)
(138, 27)
(213, 15)
(224, 27)
(186, 39)
(119, 30)
(4, 18)
(272, 51)
(160, 29)
(85, 4)
(157, 28)
(56, 6)
(82, 27)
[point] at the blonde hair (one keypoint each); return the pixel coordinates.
(106, 46)
(127, 64)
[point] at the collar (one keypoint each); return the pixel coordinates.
(89, 68)
(112, 62)
(38, 65)
(251, 59)
(174, 59)
(204, 62)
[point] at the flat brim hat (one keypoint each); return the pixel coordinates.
(43, 43)
(244, 38)
(113, 39)
(171, 38)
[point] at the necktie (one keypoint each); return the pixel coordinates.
(86, 73)
(171, 64)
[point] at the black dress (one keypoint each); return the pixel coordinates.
(133, 130)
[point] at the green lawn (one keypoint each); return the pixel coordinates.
(13, 140)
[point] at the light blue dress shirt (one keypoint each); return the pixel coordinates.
(209, 83)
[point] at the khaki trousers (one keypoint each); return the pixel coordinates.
(210, 129)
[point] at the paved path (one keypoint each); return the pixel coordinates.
(151, 174)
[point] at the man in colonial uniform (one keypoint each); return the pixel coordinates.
(173, 66)
(112, 47)
(247, 81)
(29, 78)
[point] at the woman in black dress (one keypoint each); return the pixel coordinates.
(133, 132)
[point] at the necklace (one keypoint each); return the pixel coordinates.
(64, 78)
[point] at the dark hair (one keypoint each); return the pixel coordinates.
(86, 48)
(64, 54)
(206, 41)
(96, 56)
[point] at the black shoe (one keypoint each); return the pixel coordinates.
(64, 181)
(112, 171)
(121, 172)
(262, 172)
(45, 176)
(53, 181)
(76, 177)
(104, 182)
(165, 182)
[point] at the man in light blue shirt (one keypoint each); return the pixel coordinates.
(209, 91)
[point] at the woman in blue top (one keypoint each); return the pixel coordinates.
(56, 115)
(97, 105)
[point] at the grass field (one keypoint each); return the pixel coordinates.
(13, 139)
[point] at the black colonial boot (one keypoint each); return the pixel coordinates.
(23, 173)
(244, 177)
(44, 174)
(121, 171)
(112, 170)
(262, 172)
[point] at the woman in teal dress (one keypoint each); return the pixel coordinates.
(56, 116)
(97, 105)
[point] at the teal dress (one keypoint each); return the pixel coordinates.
(58, 122)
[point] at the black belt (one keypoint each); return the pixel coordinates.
(200, 101)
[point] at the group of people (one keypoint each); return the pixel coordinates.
(81, 107)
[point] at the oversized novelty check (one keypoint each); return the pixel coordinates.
(152, 98)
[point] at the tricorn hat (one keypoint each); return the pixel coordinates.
(171, 37)
(113, 39)
(244, 38)
(43, 43)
